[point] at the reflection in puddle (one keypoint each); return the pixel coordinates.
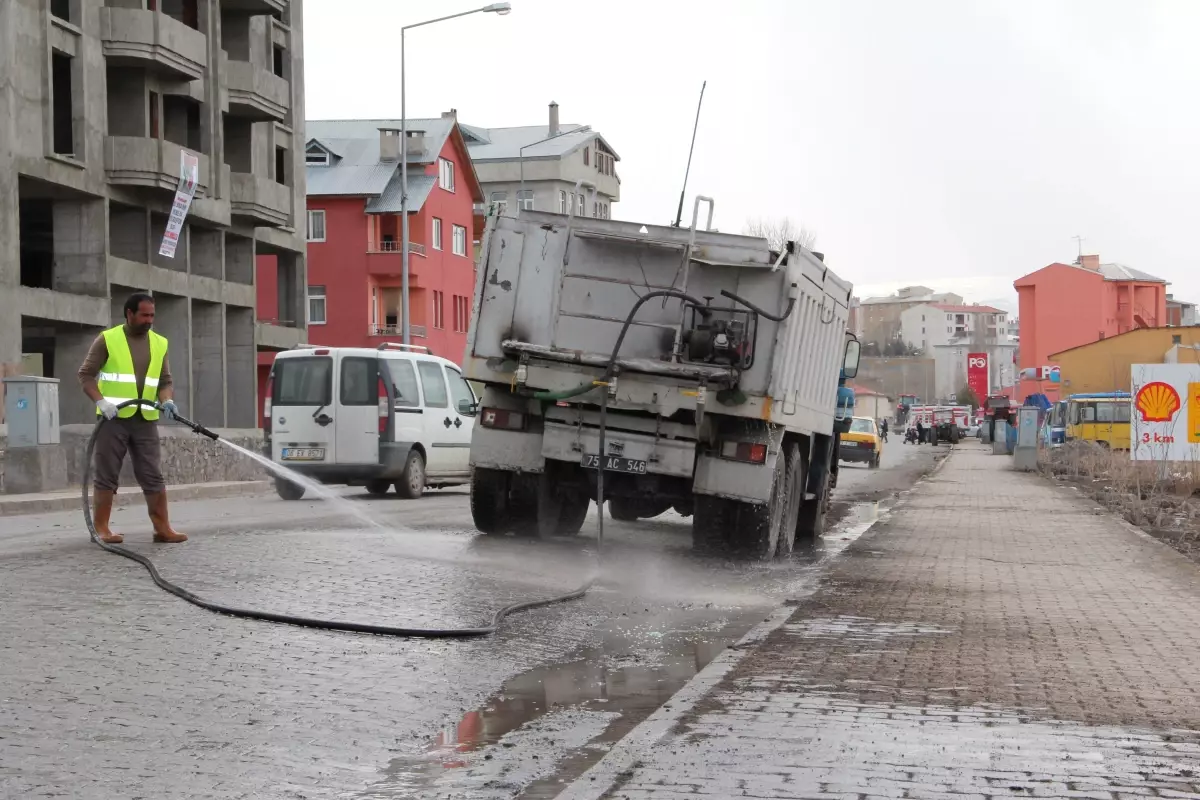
(541, 716)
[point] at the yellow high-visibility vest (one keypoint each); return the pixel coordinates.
(118, 381)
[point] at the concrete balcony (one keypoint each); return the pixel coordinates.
(273, 7)
(142, 161)
(260, 201)
(387, 263)
(275, 335)
(257, 94)
(154, 40)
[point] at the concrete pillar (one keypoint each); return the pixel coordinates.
(239, 259)
(172, 320)
(10, 239)
(129, 233)
(70, 348)
(205, 252)
(208, 363)
(80, 256)
(293, 292)
(241, 362)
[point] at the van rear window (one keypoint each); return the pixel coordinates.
(360, 381)
(305, 381)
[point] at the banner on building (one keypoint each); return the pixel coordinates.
(1164, 421)
(977, 375)
(189, 176)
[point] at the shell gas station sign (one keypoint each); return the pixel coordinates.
(1165, 418)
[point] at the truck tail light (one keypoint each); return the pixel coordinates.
(384, 405)
(752, 452)
(502, 419)
(267, 405)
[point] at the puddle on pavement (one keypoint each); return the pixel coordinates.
(541, 718)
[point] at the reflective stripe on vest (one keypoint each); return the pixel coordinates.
(117, 380)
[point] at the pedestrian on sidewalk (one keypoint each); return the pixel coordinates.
(126, 363)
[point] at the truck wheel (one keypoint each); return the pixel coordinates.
(623, 509)
(711, 524)
(757, 527)
(412, 484)
(489, 500)
(811, 524)
(795, 478)
(378, 488)
(574, 512)
(288, 490)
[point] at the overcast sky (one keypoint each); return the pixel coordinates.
(952, 143)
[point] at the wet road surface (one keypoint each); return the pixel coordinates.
(112, 688)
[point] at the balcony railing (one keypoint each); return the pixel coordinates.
(394, 247)
(416, 331)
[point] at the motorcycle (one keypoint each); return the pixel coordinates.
(910, 436)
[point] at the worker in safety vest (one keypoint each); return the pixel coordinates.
(126, 363)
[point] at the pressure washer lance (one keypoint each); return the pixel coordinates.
(288, 619)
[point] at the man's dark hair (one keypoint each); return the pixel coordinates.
(135, 302)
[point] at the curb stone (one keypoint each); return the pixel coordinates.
(14, 506)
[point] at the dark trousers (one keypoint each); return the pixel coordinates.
(139, 438)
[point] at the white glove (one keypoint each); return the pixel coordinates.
(107, 409)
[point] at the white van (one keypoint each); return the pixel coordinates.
(375, 418)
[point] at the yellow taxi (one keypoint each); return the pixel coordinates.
(862, 442)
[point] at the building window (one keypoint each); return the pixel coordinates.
(316, 157)
(316, 305)
(446, 174)
(586, 152)
(437, 234)
(579, 205)
(562, 202)
(525, 199)
(439, 309)
(1177, 339)
(62, 104)
(460, 240)
(282, 162)
(61, 9)
(278, 61)
(500, 200)
(316, 226)
(461, 311)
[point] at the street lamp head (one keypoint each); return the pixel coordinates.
(498, 8)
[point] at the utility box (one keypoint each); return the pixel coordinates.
(31, 410)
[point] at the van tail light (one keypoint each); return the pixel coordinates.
(751, 452)
(384, 406)
(267, 405)
(502, 419)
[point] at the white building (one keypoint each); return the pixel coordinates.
(948, 333)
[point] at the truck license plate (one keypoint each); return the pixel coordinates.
(615, 464)
(303, 454)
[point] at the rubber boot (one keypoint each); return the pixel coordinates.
(156, 502)
(102, 503)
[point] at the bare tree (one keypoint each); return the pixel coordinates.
(779, 230)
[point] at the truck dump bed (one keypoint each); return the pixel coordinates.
(554, 291)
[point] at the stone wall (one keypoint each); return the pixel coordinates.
(186, 457)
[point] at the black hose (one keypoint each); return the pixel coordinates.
(289, 619)
(786, 312)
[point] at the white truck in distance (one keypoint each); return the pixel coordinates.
(719, 402)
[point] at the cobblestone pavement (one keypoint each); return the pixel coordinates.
(995, 636)
(110, 688)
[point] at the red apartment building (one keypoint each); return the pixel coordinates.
(354, 258)
(1067, 305)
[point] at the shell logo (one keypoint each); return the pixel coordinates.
(1157, 401)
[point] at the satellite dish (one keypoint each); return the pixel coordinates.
(643, 229)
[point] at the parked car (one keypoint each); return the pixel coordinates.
(395, 415)
(862, 442)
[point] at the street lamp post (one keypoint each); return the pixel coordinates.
(521, 158)
(492, 8)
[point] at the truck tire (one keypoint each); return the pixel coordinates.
(623, 509)
(412, 483)
(489, 500)
(288, 490)
(795, 477)
(711, 524)
(378, 488)
(574, 513)
(811, 523)
(758, 527)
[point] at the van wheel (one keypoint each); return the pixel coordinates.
(288, 490)
(412, 484)
(378, 488)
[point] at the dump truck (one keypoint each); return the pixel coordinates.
(660, 368)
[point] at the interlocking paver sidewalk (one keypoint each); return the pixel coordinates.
(996, 636)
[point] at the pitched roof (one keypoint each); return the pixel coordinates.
(357, 171)
(1109, 272)
(504, 144)
(968, 309)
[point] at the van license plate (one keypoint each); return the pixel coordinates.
(615, 464)
(303, 454)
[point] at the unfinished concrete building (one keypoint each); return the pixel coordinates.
(98, 100)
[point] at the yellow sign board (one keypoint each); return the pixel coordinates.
(1193, 420)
